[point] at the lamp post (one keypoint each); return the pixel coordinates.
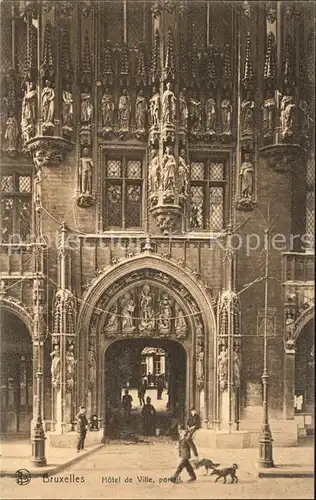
(38, 437)
(265, 439)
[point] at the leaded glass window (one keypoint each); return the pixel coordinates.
(16, 208)
(207, 195)
(123, 192)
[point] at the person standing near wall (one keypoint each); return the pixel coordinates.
(82, 427)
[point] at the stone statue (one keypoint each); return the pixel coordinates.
(287, 120)
(168, 106)
(246, 177)
(247, 116)
(70, 366)
(85, 172)
(164, 317)
(48, 104)
(210, 115)
(55, 367)
(28, 112)
(11, 134)
(269, 108)
(154, 174)
(227, 111)
(200, 358)
(124, 109)
(195, 113)
(168, 171)
(141, 109)
(107, 106)
(128, 308)
(155, 109)
(180, 322)
(222, 367)
(86, 109)
(112, 324)
(92, 365)
(182, 174)
(67, 109)
(183, 108)
(146, 310)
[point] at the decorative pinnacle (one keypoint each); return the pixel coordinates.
(148, 246)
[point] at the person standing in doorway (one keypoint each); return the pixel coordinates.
(127, 404)
(141, 392)
(82, 427)
(193, 424)
(160, 387)
(185, 455)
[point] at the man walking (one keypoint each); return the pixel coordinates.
(193, 424)
(184, 454)
(82, 427)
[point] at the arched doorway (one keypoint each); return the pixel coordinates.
(124, 369)
(16, 375)
(305, 370)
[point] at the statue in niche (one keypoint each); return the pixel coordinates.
(48, 104)
(227, 111)
(146, 310)
(168, 106)
(247, 116)
(124, 109)
(107, 106)
(164, 317)
(200, 358)
(168, 171)
(269, 109)
(112, 324)
(141, 109)
(236, 367)
(210, 115)
(86, 112)
(183, 110)
(11, 134)
(67, 108)
(70, 366)
(128, 308)
(85, 172)
(195, 113)
(28, 112)
(183, 174)
(155, 109)
(55, 367)
(287, 120)
(92, 365)
(246, 177)
(222, 367)
(154, 174)
(180, 322)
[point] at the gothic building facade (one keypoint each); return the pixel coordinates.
(157, 189)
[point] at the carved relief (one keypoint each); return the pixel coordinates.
(146, 307)
(128, 307)
(112, 324)
(164, 317)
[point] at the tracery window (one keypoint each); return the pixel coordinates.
(207, 195)
(123, 192)
(16, 208)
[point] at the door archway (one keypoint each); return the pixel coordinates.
(305, 369)
(103, 319)
(16, 375)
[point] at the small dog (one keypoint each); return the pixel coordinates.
(228, 471)
(208, 464)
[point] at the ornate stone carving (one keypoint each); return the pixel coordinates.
(181, 326)
(155, 109)
(141, 110)
(247, 116)
(111, 327)
(168, 106)
(195, 114)
(48, 106)
(28, 112)
(288, 118)
(155, 58)
(222, 367)
(67, 110)
(183, 170)
(210, 117)
(169, 68)
(70, 366)
(55, 366)
(92, 364)
(128, 307)
(147, 321)
(48, 151)
(165, 314)
(200, 359)
(11, 135)
(271, 12)
(154, 174)
(168, 173)
(48, 61)
(107, 64)
(246, 201)
(107, 106)
(85, 198)
(168, 218)
(226, 113)
(183, 110)
(124, 77)
(124, 110)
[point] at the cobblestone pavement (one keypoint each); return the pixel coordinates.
(105, 474)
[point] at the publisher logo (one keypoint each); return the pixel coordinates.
(22, 477)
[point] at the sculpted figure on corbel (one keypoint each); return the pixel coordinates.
(127, 312)
(168, 106)
(111, 327)
(107, 108)
(168, 174)
(124, 111)
(200, 359)
(210, 117)
(48, 105)
(222, 367)
(70, 365)
(92, 363)
(183, 110)
(288, 117)
(195, 115)
(165, 314)
(183, 169)
(67, 109)
(247, 179)
(247, 116)
(181, 326)
(85, 198)
(269, 114)
(141, 110)
(55, 365)
(147, 321)
(155, 109)
(28, 112)
(226, 113)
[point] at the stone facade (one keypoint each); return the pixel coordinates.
(154, 149)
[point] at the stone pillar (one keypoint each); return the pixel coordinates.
(289, 382)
